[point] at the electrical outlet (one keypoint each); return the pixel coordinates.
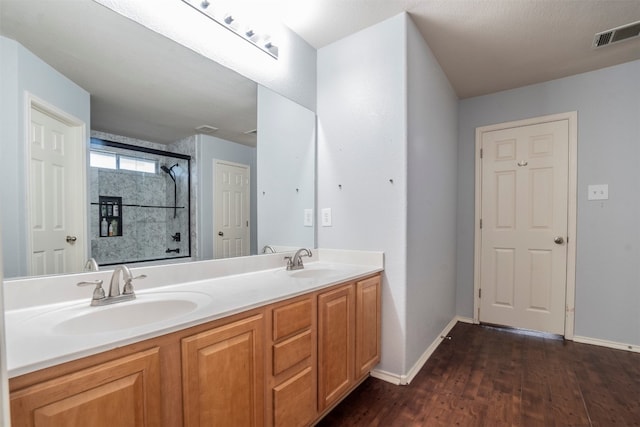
(308, 217)
(326, 217)
(598, 192)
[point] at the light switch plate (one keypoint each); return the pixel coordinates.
(308, 217)
(598, 192)
(326, 217)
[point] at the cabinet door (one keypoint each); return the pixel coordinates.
(223, 375)
(124, 392)
(336, 319)
(367, 325)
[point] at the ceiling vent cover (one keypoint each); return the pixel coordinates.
(206, 129)
(616, 35)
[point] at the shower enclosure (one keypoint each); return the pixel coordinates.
(140, 203)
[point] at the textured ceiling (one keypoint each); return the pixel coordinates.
(145, 86)
(485, 46)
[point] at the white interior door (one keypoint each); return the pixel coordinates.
(524, 205)
(56, 195)
(231, 209)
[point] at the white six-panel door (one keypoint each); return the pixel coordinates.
(56, 193)
(524, 202)
(231, 209)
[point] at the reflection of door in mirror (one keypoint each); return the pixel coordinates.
(56, 193)
(231, 209)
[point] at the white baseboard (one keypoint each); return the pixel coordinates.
(606, 343)
(406, 379)
(465, 319)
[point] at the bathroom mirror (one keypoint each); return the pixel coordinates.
(135, 86)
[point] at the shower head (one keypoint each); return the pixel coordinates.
(169, 171)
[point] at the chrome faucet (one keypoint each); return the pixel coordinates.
(295, 263)
(91, 265)
(114, 286)
(269, 249)
(115, 295)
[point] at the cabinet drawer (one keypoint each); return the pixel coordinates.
(291, 318)
(290, 352)
(293, 401)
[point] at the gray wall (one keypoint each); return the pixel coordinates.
(209, 148)
(387, 133)
(608, 240)
(361, 146)
(286, 171)
(431, 213)
(21, 72)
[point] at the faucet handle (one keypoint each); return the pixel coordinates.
(98, 292)
(289, 262)
(128, 286)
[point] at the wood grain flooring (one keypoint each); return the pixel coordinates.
(491, 377)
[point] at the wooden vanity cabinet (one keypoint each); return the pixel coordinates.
(123, 392)
(291, 362)
(348, 338)
(223, 375)
(284, 364)
(368, 325)
(336, 342)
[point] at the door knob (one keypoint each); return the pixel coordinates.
(71, 239)
(220, 233)
(559, 240)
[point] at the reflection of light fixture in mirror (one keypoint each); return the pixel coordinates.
(230, 22)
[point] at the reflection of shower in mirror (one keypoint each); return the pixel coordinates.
(172, 174)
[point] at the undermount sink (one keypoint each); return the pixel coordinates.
(313, 273)
(146, 309)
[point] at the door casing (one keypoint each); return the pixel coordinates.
(572, 117)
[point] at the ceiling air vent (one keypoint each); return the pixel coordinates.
(206, 129)
(616, 35)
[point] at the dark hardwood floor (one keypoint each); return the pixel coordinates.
(490, 377)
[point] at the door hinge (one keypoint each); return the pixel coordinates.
(481, 152)
(480, 293)
(481, 223)
(247, 223)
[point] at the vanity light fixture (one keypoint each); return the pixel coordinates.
(230, 22)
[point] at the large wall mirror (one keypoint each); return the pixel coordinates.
(75, 70)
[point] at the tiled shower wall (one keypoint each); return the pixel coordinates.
(146, 231)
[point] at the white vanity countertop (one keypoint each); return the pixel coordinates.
(35, 341)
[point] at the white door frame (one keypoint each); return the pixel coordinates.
(80, 127)
(572, 201)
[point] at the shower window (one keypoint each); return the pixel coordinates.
(138, 165)
(107, 160)
(100, 159)
(152, 190)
